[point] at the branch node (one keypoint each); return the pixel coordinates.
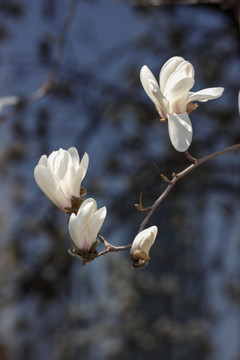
(190, 157)
(140, 207)
(165, 178)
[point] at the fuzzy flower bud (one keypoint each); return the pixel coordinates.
(60, 176)
(141, 245)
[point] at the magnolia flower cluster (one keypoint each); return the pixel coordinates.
(60, 177)
(61, 174)
(174, 100)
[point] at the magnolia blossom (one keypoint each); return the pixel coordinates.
(172, 97)
(144, 240)
(85, 226)
(60, 175)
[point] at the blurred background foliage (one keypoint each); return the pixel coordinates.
(185, 304)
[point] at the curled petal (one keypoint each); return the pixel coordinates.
(168, 68)
(74, 156)
(97, 222)
(86, 211)
(152, 89)
(176, 89)
(206, 94)
(84, 163)
(150, 85)
(180, 131)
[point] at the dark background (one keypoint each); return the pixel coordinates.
(185, 304)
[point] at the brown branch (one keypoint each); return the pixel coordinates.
(111, 248)
(180, 175)
(175, 177)
(190, 157)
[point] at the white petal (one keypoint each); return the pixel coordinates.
(86, 211)
(84, 163)
(96, 223)
(79, 225)
(59, 161)
(150, 85)
(206, 94)
(73, 228)
(78, 177)
(152, 89)
(78, 232)
(50, 186)
(168, 68)
(43, 161)
(179, 106)
(187, 68)
(180, 131)
(149, 236)
(74, 156)
(145, 239)
(66, 181)
(52, 157)
(177, 87)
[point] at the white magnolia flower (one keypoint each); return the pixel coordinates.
(172, 96)
(60, 175)
(85, 226)
(144, 240)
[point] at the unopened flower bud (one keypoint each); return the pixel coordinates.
(84, 228)
(141, 245)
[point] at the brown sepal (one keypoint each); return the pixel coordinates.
(76, 202)
(139, 206)
(191, 107)
(83, 191)
(139, 259)
(165, 178)
(83, 254)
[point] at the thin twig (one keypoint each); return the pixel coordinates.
(180, 175)
(190, 157)
(111, 248)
